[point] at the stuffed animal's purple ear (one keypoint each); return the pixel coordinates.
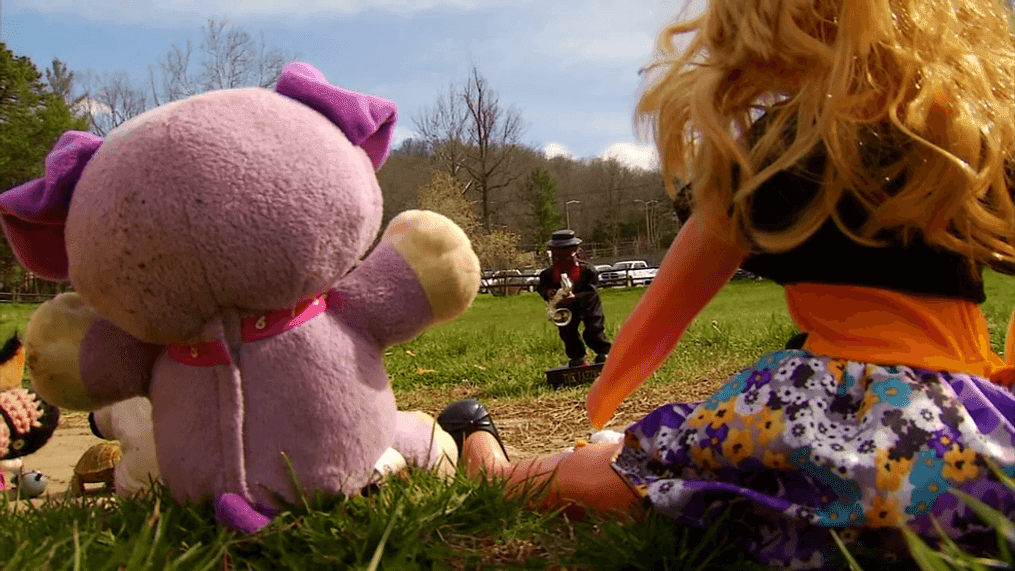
(33, 214)
(368, 121)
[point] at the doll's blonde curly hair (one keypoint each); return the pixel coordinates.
(939, 74)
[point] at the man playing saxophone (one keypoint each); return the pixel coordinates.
(581, 298)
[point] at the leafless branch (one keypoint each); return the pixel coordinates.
(229, 57)
(110, 99)
(175, 78)
(467, 129)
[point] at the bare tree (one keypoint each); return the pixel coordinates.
(110, 99)
(229, 57)
(494, 135)
(442, 128)
(175, 78)
(614, 181)
(268, 63)
(469, 130)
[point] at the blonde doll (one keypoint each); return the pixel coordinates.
(858, 152)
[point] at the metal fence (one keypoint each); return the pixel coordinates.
(24, 297)
(510, 284)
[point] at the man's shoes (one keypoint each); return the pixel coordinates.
(576, 363)
(462, 418)
(601, 358)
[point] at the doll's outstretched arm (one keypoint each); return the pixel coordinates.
(421, 273)
(697, 266)
(80, 361)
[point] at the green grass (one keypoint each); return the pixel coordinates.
(501, 346)
(504, 345)
(14, 317)
(414, 522)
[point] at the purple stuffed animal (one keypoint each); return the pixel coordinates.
(216, 248)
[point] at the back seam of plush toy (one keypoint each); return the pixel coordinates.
(230, 394)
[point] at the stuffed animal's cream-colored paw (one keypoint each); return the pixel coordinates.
(53, 344)
(442, 257)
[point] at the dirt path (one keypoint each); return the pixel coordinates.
(553, 422)
(528, 428)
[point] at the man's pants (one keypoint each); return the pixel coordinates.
(586, 309)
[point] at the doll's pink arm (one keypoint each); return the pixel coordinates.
(383, 298)
(697, 266)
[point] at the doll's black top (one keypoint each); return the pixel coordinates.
(831, 257)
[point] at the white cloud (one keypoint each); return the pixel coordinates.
(90, 106)
(633, 155)
(551, 150)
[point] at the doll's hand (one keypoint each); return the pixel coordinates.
(442, 258)
(53, 347)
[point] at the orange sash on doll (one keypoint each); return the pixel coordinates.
(885, 327)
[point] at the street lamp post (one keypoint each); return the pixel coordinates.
(567, 211)
(648, 221)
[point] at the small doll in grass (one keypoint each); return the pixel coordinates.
(860, 154)
(583, 300)
(26, 421)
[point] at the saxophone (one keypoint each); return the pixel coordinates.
(560, 316)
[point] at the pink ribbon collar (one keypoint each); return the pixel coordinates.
(253, 328)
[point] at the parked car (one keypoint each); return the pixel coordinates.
(531, 278)
(485, 279)
(602, 268)
(507, 282)
(628, 273)
(742, 274)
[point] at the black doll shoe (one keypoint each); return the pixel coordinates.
(462, 418)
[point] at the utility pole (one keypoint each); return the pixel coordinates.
(648, 221)
(567, 212)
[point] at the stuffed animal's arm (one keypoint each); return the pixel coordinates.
(422, 272)
(442, 258)
(78, 360)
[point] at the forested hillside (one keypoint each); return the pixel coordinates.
(617, 210)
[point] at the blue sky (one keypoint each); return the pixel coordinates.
(571, 67)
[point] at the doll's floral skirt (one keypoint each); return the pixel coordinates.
(797, 445)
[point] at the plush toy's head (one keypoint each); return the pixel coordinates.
(242, 198)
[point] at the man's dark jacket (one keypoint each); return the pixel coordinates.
(588, 279)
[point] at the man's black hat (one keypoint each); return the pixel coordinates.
(563, 239)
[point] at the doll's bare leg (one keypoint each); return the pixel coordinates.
(584, 476)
